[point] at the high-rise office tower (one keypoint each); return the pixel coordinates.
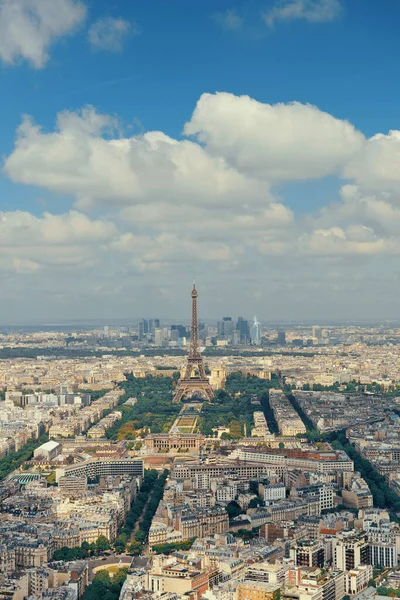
(242, 326)
(255, 332)
(156, 323)
(236, 337)
(316, 332)
(159, 336)
(143, 328)
(281, 337)
(225, 328)
(181, 329)
(220, 328)
(203, 331)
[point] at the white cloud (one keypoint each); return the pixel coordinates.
(154, 253)
(280, 142)
(29, 27)
(315, 11)
(204, 207)
(110, 34)
(205, 222)
(355, 240)
(77, 159)
(229, 20)
(380, 211)
(377, 165)
(28, 242)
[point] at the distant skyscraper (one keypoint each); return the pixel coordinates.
(255, 332)
(242, 326)
(225, 328)
(156, 323)
(281, 337)
(143, 328)
(316, 332)
(159, 336)
(203, 331)
(236, 337)
(106, 331)
(181, 329)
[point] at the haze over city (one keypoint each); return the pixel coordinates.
(253, 145)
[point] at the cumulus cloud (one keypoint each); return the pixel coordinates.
(110, 34)
(314, 11)
(355, 240)
(377, 164)
(380, 211)
(280, 142)
(151, 253)
(204, 222)
(206, 204)
(78, 159)
(32, 242)
(29, 27)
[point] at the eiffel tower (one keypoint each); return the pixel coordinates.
(195, 378)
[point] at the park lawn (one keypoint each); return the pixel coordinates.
(127, 428)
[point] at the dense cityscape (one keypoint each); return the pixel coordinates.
(227, 461)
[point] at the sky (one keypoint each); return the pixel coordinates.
(251, 144)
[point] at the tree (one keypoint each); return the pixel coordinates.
(120, 575)
(140, 535)
(135, 548)
(103, 576)
(233, 509)
(120, 543)
(254, 502)
(85, 549)
(102, 543)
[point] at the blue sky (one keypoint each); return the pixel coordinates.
(146, 64)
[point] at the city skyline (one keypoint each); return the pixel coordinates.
(261, 162)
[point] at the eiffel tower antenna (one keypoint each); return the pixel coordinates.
(195, 378)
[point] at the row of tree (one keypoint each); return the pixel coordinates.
(313, 433)
(140, 536)
(173, 546)
(84, 551)
(135, 512)
(152, 487)
(383, 495)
